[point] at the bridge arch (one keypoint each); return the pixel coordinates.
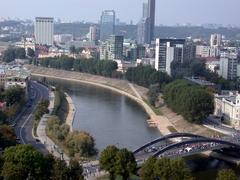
(203, 140)
(169, 136)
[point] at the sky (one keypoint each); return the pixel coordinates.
(168, 12)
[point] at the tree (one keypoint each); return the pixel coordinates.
(20, 53)
(30, 52)
(7, 136)
(22, 162)
(13, 95)
(226, 174)
(125, 164)
(72, 49)
(176, 169)
(9, 55)
(153, 94)
(75, 171)
(60, 170)
(108, 160)
(82, 143)
(147, 171)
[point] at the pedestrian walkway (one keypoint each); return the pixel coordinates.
(44, 139)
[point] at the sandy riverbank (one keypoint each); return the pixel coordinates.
(71, 112)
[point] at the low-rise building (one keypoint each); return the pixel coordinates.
(227, 106)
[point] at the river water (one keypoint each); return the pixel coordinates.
(111, 118)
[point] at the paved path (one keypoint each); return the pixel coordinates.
(42, 136)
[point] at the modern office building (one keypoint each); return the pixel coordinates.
(146, 25)
(167, 51)
(107, 26)
(229, 67)
(112, 49)
(94, 33)
(151, 16)
(44, 29)
(143, 35)
(145, 10)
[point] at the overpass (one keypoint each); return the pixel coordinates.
(189, 144)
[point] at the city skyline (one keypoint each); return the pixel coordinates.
(201, 12)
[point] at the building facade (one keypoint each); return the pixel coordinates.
(94, 34)
(167, 51)
(112, 49)
(229, 66)
(227, 106)
(107, 26)
(43, 30)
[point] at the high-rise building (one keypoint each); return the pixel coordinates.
(112, 49)
(167, 51)
(146, 25)
(216, 40)
(145, 10)
(44, 30)
(93, 33)
(107, 26)
(151, 16)
(143, 36)
(229, 67)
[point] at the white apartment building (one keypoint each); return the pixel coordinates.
(229, 67)
(216, 40)
(227, 105)
(207, 51)
(43, 30)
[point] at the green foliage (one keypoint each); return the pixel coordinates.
(14, 95)
(147, 171)
(42, 109)
(165, 168)
(108, 159)
(56, 129)
(81, 143)
(7, 136)
(103, 68)
(226, 174)
(153, 94)
(146, 76)
(22, 162)
(125, 164)
(12, 53)
(75, 170)
(193, 102)
(118, 162)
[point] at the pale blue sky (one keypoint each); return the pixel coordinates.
(168, 12)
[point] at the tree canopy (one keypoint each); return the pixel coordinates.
(165, 168)
(226, 174)
(193, 102)
(91, 66)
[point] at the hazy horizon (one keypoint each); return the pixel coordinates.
(168, 12)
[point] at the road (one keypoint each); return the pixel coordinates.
(24, 121)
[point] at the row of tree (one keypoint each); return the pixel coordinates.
(193, 102)
(13, 53)
(80, 144)
(24, 162)
(146, 76)
(103, 68)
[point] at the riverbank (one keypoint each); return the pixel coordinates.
(166, 123)
(71, 112)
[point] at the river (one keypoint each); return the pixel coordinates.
(111, 118)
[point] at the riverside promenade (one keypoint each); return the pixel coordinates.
(71, 112)
(120, 86)
(42, 136)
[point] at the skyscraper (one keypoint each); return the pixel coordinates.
(107, 26)
(151, 16)
(93, 33)
(147, 23)
(44, 31)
